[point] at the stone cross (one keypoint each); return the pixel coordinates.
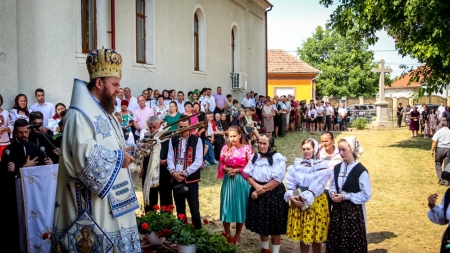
(382, 70)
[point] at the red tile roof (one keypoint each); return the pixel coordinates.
(403, 82)
(281, 62)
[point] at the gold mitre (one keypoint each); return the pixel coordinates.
(104, 63)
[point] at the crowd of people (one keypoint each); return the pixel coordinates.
(422, 118)
(321, 201)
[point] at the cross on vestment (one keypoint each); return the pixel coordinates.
(382, 70)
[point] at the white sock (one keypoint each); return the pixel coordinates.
(265, 245)
(275, 248)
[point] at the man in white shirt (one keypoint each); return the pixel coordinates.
(46, 108)
(343, 115)
(180, 101)
(440, 149)
(208, 101)
(119, 97)
(183, 162)
(132, 101)
(329, 113)
(247, 102)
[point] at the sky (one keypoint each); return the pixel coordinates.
(291, 22)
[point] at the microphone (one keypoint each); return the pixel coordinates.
(7, 152)
(43, 151)
(36, 126)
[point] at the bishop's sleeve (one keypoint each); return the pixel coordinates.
(95, 165)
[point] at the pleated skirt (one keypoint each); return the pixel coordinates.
(234, 199)
(347, 232)
(310, 225)
(267, 214)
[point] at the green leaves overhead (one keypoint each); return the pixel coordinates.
(345, 62)
(420, 28)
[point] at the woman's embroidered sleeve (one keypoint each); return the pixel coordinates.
(290, 183)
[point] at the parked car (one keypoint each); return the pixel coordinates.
(369, 109)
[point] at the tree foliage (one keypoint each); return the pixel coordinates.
(345, 64)
(421, 29)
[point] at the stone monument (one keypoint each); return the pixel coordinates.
(381, 105)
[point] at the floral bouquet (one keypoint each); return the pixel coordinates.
(159, 220)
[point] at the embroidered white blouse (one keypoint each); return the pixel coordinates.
(310, 173)
(332, 160)
(262, 172)
(358, 198)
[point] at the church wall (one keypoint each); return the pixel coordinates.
(48, 37)
(8, 51)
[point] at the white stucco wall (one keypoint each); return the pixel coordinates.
(43, 46)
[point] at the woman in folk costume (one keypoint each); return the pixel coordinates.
(267, 210)
(350, 189)
(234, 193)
(308, 212)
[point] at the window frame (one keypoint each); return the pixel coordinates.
(232, 50)
(85, 26)
(196, 44)
(143, 17)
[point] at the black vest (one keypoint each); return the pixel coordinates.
(191, 143)
(352, 183)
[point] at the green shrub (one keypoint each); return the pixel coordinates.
(359, 123)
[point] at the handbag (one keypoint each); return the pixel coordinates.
(180, 189)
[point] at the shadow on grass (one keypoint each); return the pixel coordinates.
(414, 142)
(378, 237)
(377, 251)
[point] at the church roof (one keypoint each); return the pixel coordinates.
(281, 62)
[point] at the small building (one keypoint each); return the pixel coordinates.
(289, 75)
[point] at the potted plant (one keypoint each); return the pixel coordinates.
(184, 235)
(214, 242)
(157, 224)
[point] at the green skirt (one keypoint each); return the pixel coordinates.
(234, 199)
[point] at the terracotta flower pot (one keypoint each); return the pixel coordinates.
(154, 239)
(186, 248)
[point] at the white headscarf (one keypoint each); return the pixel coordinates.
(316, 146)
(354, 145)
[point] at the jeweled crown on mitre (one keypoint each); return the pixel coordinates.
(104, 63)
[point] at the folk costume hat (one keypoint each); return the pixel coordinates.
(104, 63)
(354, 145)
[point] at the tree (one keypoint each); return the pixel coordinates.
(421, 30)
(345, 64)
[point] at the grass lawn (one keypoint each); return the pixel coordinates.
(402, 175)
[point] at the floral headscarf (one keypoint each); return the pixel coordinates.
(354, 145)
